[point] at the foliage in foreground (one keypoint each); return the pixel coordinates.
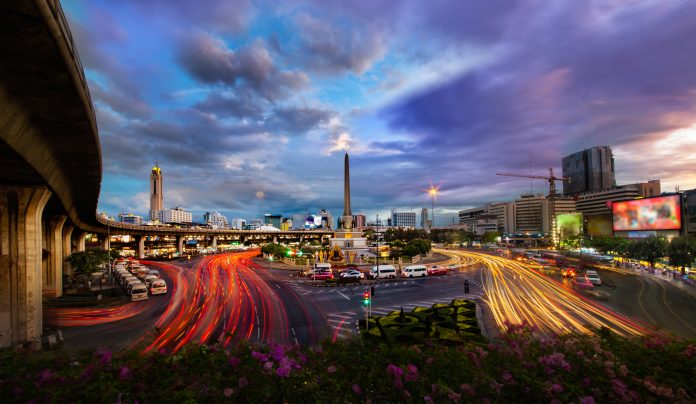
(518, 367)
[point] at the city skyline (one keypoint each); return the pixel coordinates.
(252, 97)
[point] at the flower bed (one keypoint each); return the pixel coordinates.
(453, 323)
(517, 367)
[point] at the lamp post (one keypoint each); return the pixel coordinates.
(433, 191)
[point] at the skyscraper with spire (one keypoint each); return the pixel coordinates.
(156, 194)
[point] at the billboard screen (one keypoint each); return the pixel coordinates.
(599, 225)
(660, 213)
(568, 224)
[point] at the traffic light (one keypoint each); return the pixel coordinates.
(299, 253)
(289, 253)
(366, 298)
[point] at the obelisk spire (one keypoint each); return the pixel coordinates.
(346, 187)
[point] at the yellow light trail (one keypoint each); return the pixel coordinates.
(517, 293)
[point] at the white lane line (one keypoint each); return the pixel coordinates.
(293, 331)
(296, 341)
(306, 293)
(346, 297)
(277, 286)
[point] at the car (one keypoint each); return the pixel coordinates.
(148, 280)
(322, 275)
(437, 270)
(549, 270)
(582, 282)
(138, 292)
(568, 272)
(352, 274)
(154, 272)
(452, 267)
(593, 276)
(158, 287)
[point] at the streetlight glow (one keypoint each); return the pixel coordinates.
(433, 191)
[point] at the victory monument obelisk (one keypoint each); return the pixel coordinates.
(346, 237)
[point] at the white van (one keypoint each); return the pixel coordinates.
(385, 271)
(158, 287)
(414, 270)
(593, 276)
(139, 292)
(320, 267)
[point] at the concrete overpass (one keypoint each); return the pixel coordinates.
(142, 232)
(50, 161)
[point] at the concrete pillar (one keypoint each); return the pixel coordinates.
(180, 244)
(67, 247)
(275, 239)
(21, 312)
(213, 241)
(140, 249)
(105, 242)
(81, 241)
(301, 239)
(53, 284)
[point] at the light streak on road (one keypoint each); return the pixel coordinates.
(222, 299)
(517, 293)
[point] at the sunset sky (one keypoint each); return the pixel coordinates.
(235, 97)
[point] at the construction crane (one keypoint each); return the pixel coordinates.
(552, 196)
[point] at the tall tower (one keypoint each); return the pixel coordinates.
(347, 218)
(156, 195)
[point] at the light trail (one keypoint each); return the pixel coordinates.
(517, 293)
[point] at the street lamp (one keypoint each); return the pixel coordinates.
(433, 191)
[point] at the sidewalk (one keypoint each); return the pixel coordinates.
(671, 276)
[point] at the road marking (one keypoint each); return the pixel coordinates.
(306, 293)
(293, 332)
(339, 292)
(277, 286)
(296, 341)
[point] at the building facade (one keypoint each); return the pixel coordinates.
(216, 220)
(273, 220)
(690, 212)
(468, 217)
(176, 215)
(505, 216)
(359, 220)
(403, 219)
(130, 218)
(599, 202)
(156, 192)
(532, 214)
(589, 170)
(238, 223)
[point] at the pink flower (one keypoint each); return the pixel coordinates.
(507, 378)
(587, 400)
(428, 399)
(243, 382)
(284, 371)
(104, 357)
(228, 392)
(556, 388)
(124, 373)
(356, 389)
(259, 356)
(277, 352)
(430, 360)
(331, 369)
(454, 396)
(234, 361)
(619, 387)
(394, 370)
(268, 366)
(690, 351)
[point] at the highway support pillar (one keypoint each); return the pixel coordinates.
(67, 247)
(140, 240)
(213, 241)
(105, 242)
(275, 239)
(81, 241)
(21, 251)
(180, 244)
(53, 280)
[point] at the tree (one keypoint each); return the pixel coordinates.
(490, 237)
(682, 252)
(649, 249)
(276, 250)
(86, 262)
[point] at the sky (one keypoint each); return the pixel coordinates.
(236, 97)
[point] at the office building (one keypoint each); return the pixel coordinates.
(483, 224)
(272, 220)
(238, 224)
(403, 219)
(176, 215)
(156, 192)
(599, 202)
(532, 214)
(359, 220)
(215, 220)
(589, 170)
(424, 221)
(286, 224)
(690, 212)
(130, 218)
(468, 217)
(505, 216)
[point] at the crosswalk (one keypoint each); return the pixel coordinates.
(303, 289)
(343, 323)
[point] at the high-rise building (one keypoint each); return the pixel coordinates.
(359, 220)
(468, 217)
(505, 215)
(424, 219)
(156, 192)
(238, 224)
(403, 219)
(273, 220)
(599, 202)
(130, 218)
(176, 215)
(299, 220)
(690, 212)
(532, 214)
(589, 170)
(216, 220)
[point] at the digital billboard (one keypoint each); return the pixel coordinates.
(659, 213)
(568, 224)
(599, 225)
